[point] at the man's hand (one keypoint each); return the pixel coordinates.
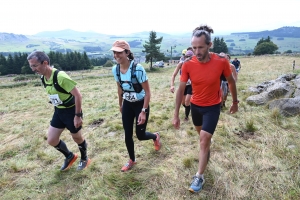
(77, 121)
(172, 89)
(176, 122)
(233, 108)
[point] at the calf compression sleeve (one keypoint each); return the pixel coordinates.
(62, 147)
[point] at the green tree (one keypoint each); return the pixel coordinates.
(265, 47)
(3, 65)
(26, 70)
(152, 48)
(3, 70)
(87, 61)
(262, 40)
(219, 45)
(10, 64)
(108, 63)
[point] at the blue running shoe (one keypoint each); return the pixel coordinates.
(196, 185)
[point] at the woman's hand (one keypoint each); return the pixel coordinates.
(142, 118)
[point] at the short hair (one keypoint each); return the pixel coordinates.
(39, 56)
(203, 30)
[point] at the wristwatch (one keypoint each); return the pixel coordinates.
(144, 110)
(236, 102)
(78, 114)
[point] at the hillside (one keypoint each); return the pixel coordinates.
(287, 31)
(254, 153)
(286, 38)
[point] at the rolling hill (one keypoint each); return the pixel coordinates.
(286, 38)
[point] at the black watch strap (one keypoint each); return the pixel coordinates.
(78, 114)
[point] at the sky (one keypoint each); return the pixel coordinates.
(119, 17)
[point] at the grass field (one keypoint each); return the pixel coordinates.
(254, 154)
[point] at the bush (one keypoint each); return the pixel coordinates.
(25, 78)
(229, 40)
(232, 44)
(289, 51)
(265, 48)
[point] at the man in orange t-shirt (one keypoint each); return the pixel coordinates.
(204, 70)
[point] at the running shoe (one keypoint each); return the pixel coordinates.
(157, 143)
(128, 165)
(197, 184)
(69, 162)
(83, 164)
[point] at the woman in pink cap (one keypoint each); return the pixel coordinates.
(134, 97)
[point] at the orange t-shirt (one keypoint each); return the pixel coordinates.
(205, 78)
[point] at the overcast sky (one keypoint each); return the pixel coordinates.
(128, 16)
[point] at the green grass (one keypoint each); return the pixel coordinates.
(254, 153)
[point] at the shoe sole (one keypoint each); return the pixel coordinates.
(87, 164)
(159, 147)
(71, 163)
(193, 191)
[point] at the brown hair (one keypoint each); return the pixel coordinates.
(130, 55)
(203, 30)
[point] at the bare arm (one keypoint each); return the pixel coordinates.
(142, 115)
(233, 91)
(78, 102)
(120, 92)
(179, 94)
(178, 67)
(234, 74)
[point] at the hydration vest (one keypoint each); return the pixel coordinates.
(70, 100)
(134, 80)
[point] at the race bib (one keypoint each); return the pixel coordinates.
(130, 96)
(55, 100)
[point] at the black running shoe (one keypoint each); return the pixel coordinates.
(69, 162)
(83, 164)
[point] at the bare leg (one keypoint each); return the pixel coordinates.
(53, 136)
(205, 139)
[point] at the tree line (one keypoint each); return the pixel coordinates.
(18, 64)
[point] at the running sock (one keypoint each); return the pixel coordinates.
(62, 147)
(200, 175)
(187, 110)
(82, 147)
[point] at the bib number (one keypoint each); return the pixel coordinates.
(55, 100)
(130, 96)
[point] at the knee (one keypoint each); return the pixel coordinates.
(139, 137)
(52, 141)
(78, 137)
(205, 143)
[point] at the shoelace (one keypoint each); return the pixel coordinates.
(196, 180)
(129, 164)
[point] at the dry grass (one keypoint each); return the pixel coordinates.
(254, 155)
